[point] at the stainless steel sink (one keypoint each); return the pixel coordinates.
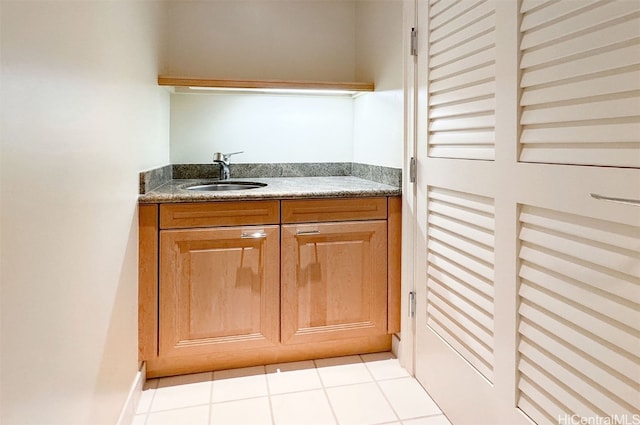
(225, 185)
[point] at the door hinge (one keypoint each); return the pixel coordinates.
(412, 169)
(414, 42)
(412, 304)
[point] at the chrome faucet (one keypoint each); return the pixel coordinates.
(223, 160)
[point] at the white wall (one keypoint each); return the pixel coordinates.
(378, 117)
(81, 115)
(268, 128)
(258, 39)
(322, 40)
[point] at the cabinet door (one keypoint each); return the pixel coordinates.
(334, 281)
(219, 289)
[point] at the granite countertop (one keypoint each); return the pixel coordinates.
(277, 188)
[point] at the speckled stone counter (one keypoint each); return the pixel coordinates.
(277, 188)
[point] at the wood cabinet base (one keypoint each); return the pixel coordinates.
(167, 366)
(244, 283)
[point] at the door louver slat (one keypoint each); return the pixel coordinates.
(460, 274)
(462, 81)
(579, 349)
(580, 79)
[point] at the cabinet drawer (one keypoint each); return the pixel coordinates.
(208, 214)
(318, 210)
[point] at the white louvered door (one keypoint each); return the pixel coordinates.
(529, 310)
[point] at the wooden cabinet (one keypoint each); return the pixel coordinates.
(231, 284)
(219, 289)
(334, 269)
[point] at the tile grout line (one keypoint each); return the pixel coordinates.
(426, 416)
(242, 399)
(271, 412)
(441, 413)
(326, 394)
(210, 416)
(235, 400)
(380, 389)
(177, 408)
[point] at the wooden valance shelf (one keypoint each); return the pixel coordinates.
(257, 85)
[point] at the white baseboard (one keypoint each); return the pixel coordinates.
(131, 404)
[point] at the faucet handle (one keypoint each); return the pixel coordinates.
(224, 157)
(233, 153)
(227, 155)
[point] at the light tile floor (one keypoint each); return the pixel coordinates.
(355, 390)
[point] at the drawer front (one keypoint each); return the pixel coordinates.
(209, 214)
(319, 210)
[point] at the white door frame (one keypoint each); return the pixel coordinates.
(406, 348)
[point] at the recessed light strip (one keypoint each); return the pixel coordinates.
(277, 90)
